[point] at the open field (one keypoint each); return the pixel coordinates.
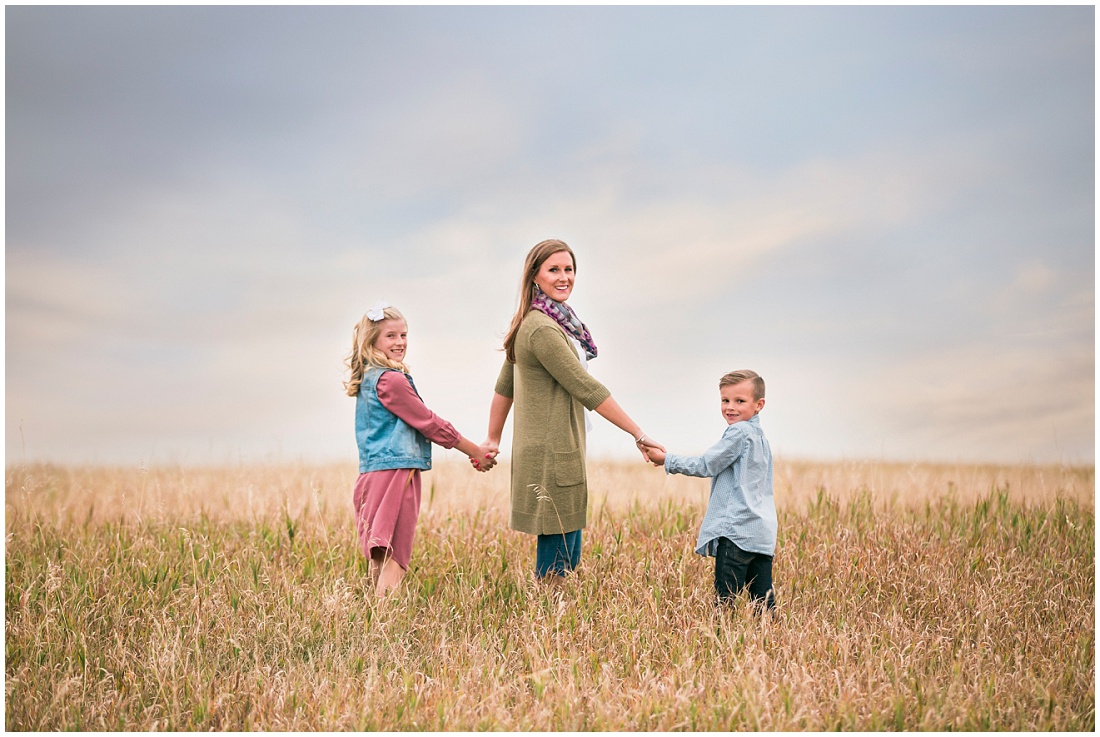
(917, 597)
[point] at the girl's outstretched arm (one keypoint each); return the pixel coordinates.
(397, 395)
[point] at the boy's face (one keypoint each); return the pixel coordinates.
(738, 404)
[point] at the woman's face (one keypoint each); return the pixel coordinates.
(555, 276)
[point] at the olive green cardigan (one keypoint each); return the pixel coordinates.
(548, 386)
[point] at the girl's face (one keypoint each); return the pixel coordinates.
(392, 339)
(555, 276)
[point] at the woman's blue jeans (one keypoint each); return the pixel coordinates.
(557, 554)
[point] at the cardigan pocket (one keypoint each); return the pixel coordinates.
(568, 468)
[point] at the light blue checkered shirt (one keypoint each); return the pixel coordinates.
(741, 506)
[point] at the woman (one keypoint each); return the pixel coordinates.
(545, 376)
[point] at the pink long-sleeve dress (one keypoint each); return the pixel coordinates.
(387, 503)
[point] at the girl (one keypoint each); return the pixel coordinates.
(394, 431)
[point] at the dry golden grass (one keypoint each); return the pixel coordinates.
(912, 597)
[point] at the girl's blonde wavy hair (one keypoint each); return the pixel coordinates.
(364, 354)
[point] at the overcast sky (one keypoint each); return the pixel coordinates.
(887, 212)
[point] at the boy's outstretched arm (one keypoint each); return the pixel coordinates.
(715, 460)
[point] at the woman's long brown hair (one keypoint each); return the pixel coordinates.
(535, 258)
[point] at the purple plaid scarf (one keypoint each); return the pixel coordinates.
(563, 315)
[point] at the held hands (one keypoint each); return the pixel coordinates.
(652, 451)
(656, 456)
(485, 457)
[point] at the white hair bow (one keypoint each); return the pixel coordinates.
(378, 311)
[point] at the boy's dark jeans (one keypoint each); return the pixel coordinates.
(734, 569)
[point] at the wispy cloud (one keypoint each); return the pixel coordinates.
(880, 209)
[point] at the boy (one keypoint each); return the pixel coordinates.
(739, 528)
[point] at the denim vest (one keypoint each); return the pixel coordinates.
(385, 440)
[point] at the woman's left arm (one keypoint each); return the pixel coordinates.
(551, 347)
(610, 410)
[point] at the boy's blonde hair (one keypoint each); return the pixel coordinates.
(364, 354)
(736, 377)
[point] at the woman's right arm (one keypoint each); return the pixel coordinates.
(501, 405)
(498, 414)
